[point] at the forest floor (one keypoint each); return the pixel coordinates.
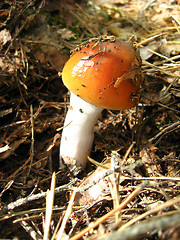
(139, 201)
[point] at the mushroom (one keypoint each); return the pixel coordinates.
(102, 73)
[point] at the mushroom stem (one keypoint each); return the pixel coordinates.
(78, 132)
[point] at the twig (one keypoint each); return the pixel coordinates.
(28, 20)
(32, 140)
(109, 214)
(138, 229)
(152, 211)
(95, 28)
(7, 186)
(66, 217)
(173, 125)
(114, 183)
(30, 211)
(145, 8)
(18, 84)
(34, 235)
(159, 54)
(169, 108)
(127, 153)
(49, 207)
(13, 124)
(160, 69)
(83, 23)
(150, 39)
(109, 172)
(25, 200)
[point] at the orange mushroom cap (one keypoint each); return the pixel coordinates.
(106, 74)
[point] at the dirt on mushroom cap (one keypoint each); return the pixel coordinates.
(105, 73)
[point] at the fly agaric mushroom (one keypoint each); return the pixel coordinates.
(103, 73)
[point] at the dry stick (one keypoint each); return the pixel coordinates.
(114, 184)
(115, 195)
(56, 229)
(152, 178)
(144, 227)
(27, 21)
(167, 197)
(83, 23)
(20, 91)
(158, 208)
(158, 54)
(151, 38)
(173, 125)
(169, 108)
(6, 187)
(86, 15)
(66, 217)
(127, 153)
(160, 69)
(49, 207)
(32, 140)
(13, 124)
(69, 186)
(170, 131)
(138, 163)
(109, 214)
(30, 198)
(34, 235)
(176, 23)
(145, 8)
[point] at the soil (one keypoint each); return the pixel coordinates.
(36, 38)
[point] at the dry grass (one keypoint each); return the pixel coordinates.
(139, 198)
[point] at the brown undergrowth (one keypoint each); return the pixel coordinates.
(139, 198)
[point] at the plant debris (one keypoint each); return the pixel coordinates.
(131, 187)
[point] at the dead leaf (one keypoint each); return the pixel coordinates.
(52, 55)
(5, 36)
(66, 33)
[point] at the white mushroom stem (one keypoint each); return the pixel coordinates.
(78, 132)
